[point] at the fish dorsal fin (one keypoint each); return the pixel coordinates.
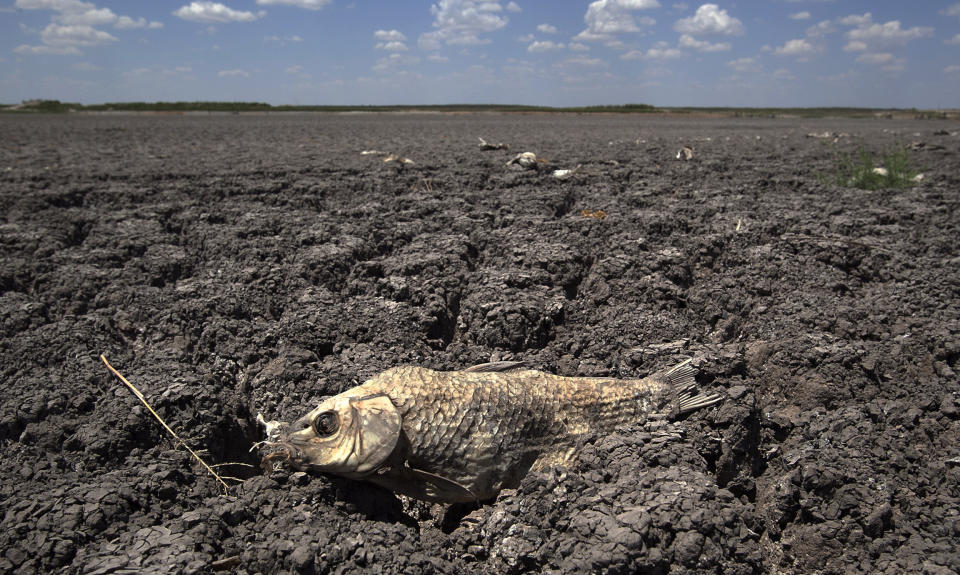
(680, 380)
(496, 367)
(377, 422)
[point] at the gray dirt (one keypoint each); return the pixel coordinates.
(241, 264)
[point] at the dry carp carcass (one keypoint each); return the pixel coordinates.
(463, 436)
(526, 160)
(564, 174)
(399, 162)
(485, 145)
(398, 159)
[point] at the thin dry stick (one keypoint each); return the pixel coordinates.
(143, 400)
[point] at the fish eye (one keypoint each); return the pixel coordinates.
(326, 424)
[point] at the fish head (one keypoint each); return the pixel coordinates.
(345, 435)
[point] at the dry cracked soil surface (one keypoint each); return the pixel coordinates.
(235, 265)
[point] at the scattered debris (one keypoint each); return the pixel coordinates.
(941, 133)
(372, 153)
(881, 171)
(595, 214)
(685, 153)
(828, 135)
(484, 145)
(917, 178)
(527, 161)
(564, 174)
(401, 161)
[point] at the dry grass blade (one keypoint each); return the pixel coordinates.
(143, 400)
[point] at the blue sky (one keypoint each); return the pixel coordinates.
(558, 53)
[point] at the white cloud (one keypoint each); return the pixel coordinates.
(581, 61)
(660, 51)
(391, 46)
(800, 48)
(546, 29)
(954, 40)
(514, 7)
(438, 58)
(462, 22)
(214, 12)
(128, 23)
(233, 74)
(47, 50)
(55, 5)
(306, 4)
(954, 69)
(77, 13)
(783, 74)
(881, 58)
(856, 20)
(394, 62)
(855, 47)
(800, 16)
(578, 47)
(90, 17)
(688, 41)
(607, 18)
(663, 53)
(390, 40)
(870, 36)
(389, 36)
(545, 46)
(821, 29)
(952, 10)
(283, 40)
(744, 65)
(709, 19)
(79, 35)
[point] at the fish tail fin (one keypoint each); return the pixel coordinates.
(680, 382)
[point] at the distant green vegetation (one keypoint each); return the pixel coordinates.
(56, 106)
(859, 171)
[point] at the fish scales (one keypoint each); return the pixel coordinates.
(453, 436)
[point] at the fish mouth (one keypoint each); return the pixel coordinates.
(277, 454)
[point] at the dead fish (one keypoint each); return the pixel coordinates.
(485, 145)
(685, 153)
(463, 436)
(526, 160)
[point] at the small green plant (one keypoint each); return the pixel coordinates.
(858, 170)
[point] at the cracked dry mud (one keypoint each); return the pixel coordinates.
(235, 265)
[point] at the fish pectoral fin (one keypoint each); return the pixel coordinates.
(496, 367)
(437, 487)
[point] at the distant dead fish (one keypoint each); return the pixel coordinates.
(527, 161)
(462, 436)
(484, 145)
(399, 159)
(685, 153)
(565, 174)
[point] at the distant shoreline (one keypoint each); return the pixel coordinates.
(256, 108)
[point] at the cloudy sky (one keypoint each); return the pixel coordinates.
(551, 52)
